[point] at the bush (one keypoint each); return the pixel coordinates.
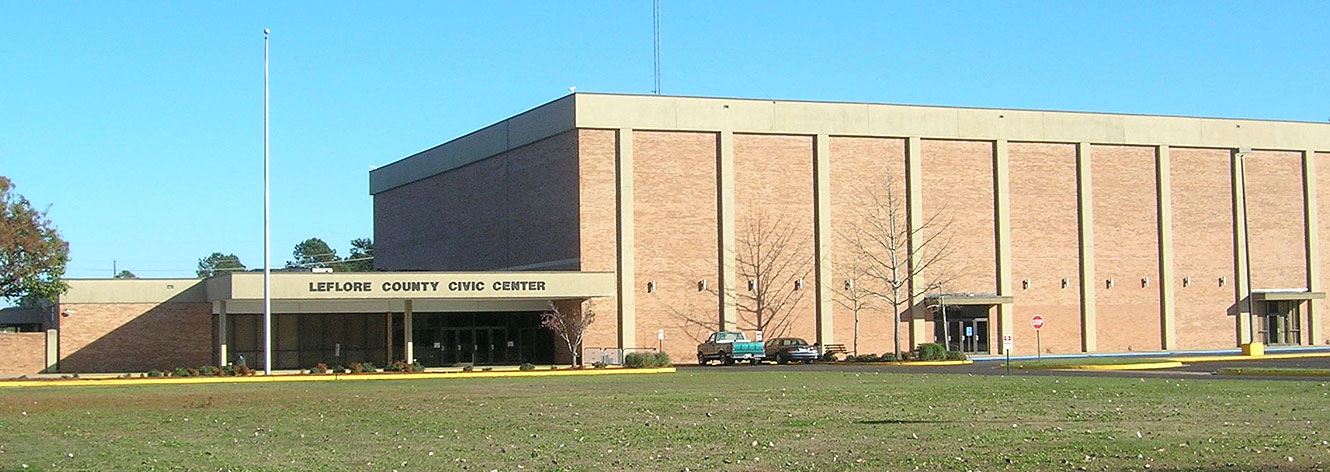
(209, 371)
(468, 369)
(338, 369)
(599, 364)
(362, 368)
(417, 367)
(889, 357)
(228, 371)
(180, 372)
(865, 358)
(527, 367)
(660, 359)
(243, 370)
(156, 373)
(932, 352)
(829, 357)
(319, 368)
(636, 360)
(956, 356)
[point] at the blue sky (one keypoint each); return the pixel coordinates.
(140, 123)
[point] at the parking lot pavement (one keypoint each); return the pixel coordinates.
(1202, 370)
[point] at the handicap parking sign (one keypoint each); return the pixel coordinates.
(969, 330)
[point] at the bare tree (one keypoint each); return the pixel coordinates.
(883, 238)
(854, 295)
(771, 265)
(570, 325)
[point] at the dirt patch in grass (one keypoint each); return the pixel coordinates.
(699, 419)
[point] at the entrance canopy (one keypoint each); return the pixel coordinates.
(966, 299)
(1285, 295)
(363, 292)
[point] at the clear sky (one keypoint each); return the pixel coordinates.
(140, 123)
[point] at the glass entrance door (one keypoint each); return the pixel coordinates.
(428, 349)
(968, 335)
(1279, 324)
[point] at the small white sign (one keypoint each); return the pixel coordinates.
(1007, 343)
(660, 335)
(438, 345)
(759, 336)
(510, 344)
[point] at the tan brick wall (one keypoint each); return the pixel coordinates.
(1275, 220)
(513, 209)
(1323, 210)
(1126, 248)
(957, 179)
(22, 353)
(674, 186)
(860, 166)
(596, 220)
(135, 337)
(773, 180)
(1203, 248)
(1044, 246)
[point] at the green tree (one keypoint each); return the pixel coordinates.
(218, 264)
(124, 274)
(32, 254)
(361, 258)
(313, 252)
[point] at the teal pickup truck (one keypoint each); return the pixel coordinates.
(729, 346)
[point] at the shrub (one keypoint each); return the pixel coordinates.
(932, 352)
(908, 356)
(527, 366)
(369, 367)
(209, 371)
(228, 371)
(661, 359)
(468, 369)
(180, 372)
(956, 356)
(156, 373)
(243, 370)
(398, 366)
(356, 368)
(866, 358)
(599, 364)
(888, 357)
(416, 366)
(829, 357)
(635, 360)
(319, 368)
(338, 369)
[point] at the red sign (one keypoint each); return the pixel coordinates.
(1037, 322)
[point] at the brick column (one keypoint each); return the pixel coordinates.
(1085, 217)
(914, 190)
(626, 267)
(1312, 240)
(822, 236)
(1164, 198)
(725, 220)
(1002, 233)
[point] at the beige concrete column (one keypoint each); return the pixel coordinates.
(725, 220)
(1312, 238)
(52, 351)
(626, 267)
(822, 237)
(1002, 233)
(222, 354)
(408, 333)
(1085, 217)
(1243, 308)
(914, 189)
(1164, 200)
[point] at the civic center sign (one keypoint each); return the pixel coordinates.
(418, 285)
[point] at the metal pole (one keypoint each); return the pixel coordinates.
(267, 263)
(1038, 346)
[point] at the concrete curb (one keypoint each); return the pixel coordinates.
(115, 382)
(1105, 367)
(1251, 358)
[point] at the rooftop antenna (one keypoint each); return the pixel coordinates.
(655, 27)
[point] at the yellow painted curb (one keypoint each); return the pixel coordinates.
(1305, 355)
(326, 377)
(1137, 366)
(912, 363)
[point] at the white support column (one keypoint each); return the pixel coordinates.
(1315, 330)
(1002, 232)
(627, 266)
(1085, 212)
(1164, 206)
(1240, 275)
(725, 219)
(822, 237)
(222, 354)
(408, 333)
(914, 191)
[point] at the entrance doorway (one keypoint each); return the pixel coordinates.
(1280, 323)
(449, 339)
(965, 329)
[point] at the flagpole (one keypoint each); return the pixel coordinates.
(267, 263)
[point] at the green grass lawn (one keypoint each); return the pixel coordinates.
(701, 419)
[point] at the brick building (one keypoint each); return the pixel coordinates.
(1123, 232)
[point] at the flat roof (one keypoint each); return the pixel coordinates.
(674, 113)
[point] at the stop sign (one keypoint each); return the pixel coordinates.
(1037, 322)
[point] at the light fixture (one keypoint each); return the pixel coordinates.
(68, 313)
(1145, 282)
(1108, 283)
(1222, 281)
(1066, 282)
(651, 286)
(752, 285)
(1025, 284)
(1186, 281)
(702, 285)
(799, 284)
(849, 284)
